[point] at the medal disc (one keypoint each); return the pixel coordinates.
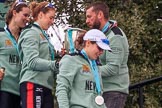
(99, 100)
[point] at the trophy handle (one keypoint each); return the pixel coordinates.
(71, 35)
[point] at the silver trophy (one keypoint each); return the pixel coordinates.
(71, 35)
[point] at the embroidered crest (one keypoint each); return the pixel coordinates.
(42, 37)
(86, 68)
(8, 43)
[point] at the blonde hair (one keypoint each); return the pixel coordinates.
(36, 8)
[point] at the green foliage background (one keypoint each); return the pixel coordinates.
(138, 18)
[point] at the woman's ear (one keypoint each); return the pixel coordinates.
(40, 15)
(88, 42)
(14, 12)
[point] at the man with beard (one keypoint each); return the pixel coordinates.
(114, 67)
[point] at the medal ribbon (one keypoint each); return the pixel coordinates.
(71, 43)
(12, 38)
(105, 27)
(94, 70)
(49, 44)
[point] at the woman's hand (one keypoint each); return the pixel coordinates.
(2, 73)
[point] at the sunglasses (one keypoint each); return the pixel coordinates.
(106, 41)
(100, 49)
(19, 2)
(50, 5)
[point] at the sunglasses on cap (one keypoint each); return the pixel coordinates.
(50, 5)
(106, 41)
(20, 2)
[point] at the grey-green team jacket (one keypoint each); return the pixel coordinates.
(9, 59)
(76, 87)
(37, 66)
(114, 67)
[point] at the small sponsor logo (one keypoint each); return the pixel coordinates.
(39, 89)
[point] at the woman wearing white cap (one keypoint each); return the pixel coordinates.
(79, 84)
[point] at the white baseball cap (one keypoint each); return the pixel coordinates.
(99, 37)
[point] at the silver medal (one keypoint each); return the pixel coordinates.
(99, 100)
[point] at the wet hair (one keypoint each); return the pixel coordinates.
(17, 6)
(99, 6)
(36, 8)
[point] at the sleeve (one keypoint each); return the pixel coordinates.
(65, 78)
(114, 58)
(28, 45)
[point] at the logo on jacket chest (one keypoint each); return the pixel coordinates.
(90, 85)
(85, 68)
(14, 59)
(8, 43)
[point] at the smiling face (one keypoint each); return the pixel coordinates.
(46, 19)
(21, 18)
(93, 50)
